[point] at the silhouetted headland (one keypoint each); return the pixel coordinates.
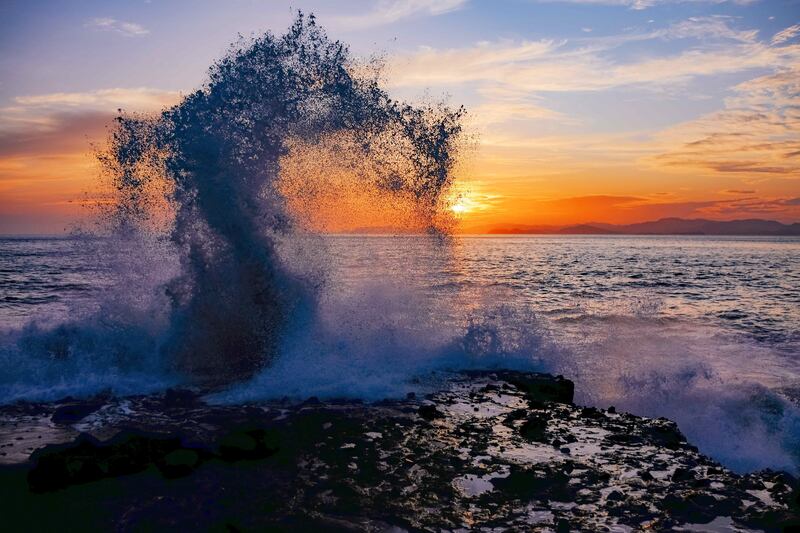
(664, 226)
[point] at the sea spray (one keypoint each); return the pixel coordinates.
(385, 338)
(204, 174)
(715, 384)
(105, 343)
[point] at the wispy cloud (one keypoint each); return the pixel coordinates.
(786, 34)
(716, 27)
(589, 64)
(757, 134)
(45, 151)
(644, 4)
(390, 11)
(128, 29)
(502, 105)
(61, 121)
(138, 98)
(754, 137)
(779, 208)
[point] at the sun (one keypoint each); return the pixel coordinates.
(464, 201)
(459, 207)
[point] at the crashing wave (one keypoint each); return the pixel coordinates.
(209, 177)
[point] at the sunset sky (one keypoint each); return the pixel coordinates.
(583, 110)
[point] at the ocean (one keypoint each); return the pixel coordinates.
(701, 330)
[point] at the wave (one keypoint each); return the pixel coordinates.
(724, 389)
(206, 179)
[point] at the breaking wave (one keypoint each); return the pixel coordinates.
(207, 219)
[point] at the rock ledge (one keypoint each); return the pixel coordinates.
(491, 451)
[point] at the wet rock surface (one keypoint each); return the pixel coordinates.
(492, 451)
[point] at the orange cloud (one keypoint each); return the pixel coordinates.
(46, 163)
(757, 133)
(626, 210)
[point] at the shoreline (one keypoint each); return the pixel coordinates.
(492, 449)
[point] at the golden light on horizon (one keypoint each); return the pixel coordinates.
(459, 207)
(463, 199)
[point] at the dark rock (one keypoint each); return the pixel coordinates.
(534, 429)
(179, 463)
(665, 434)
(615, 495)
(537, 387)
(180, 398)
(682, 474)
(87, 459)
(429, 412)
(545, 388)
(348, 466)
(695, 507)
(627, 439)
(526, 485)
(514, 416)
(75, 412)
(592, 412)
(249, 444)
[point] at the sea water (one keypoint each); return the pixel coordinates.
(702, 330)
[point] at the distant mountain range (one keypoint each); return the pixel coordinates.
(664, 226)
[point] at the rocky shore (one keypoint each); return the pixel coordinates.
(491, 451)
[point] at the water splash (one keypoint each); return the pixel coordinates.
(210, 176)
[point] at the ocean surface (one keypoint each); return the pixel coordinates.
(702, 330)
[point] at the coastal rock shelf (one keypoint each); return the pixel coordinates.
(491, 451)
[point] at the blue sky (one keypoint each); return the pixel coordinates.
(569, 99)
(57, 46)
